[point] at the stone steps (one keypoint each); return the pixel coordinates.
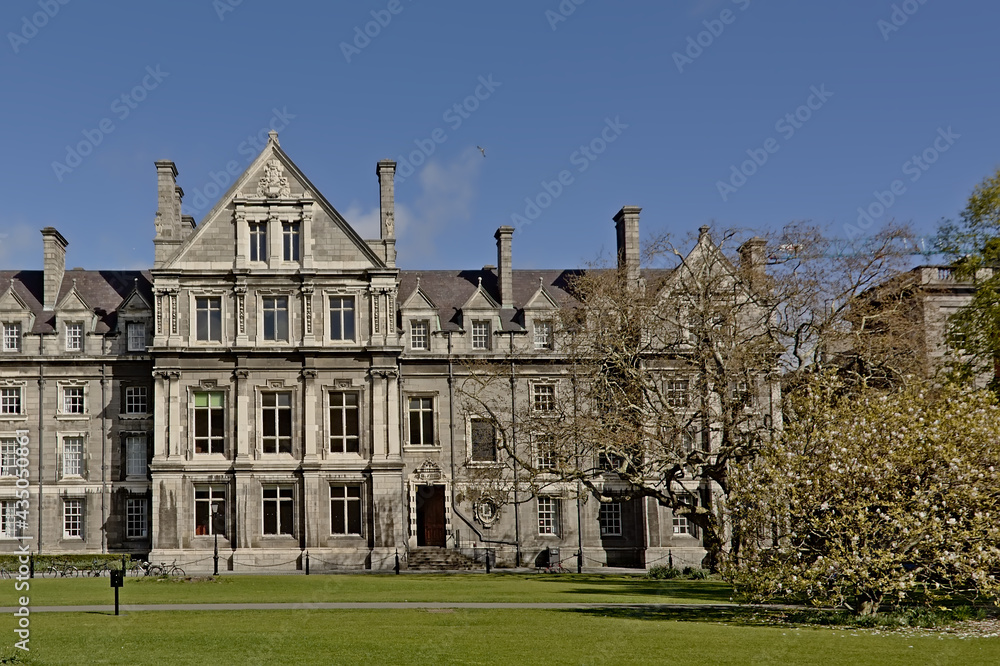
(440, 559)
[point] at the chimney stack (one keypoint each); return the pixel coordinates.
(169, 230)
(54, 255)
(386, 171)
(505, 279)
(627, 225)
(753, 258)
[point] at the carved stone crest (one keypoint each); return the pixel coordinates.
(274, 184)
(429, 471)
(487, 512)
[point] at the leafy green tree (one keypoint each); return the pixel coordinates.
(873, 498)
(974, 246)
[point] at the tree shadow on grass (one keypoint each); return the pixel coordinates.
(742, 616)
(671, 591)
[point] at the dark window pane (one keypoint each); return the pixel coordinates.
(338, 518)
(202, 325)
(270, 517)
(285, 422)
(286, 517)
(354, 517)
(414, 430)
(349, 319)
(428, 427)
(353, 491)
(217, 426)
(216, 324)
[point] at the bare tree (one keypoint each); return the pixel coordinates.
(662, 383)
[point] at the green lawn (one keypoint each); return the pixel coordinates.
(340, 588)
(464, 637)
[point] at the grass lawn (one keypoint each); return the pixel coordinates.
(568, 588)
(464, 637)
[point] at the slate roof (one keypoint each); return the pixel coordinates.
(449, 290)
(103, 291)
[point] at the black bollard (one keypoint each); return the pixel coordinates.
(396, 568)
(307, 562)
(31, 566)
(487, 560)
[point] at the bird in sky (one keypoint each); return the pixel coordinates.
(482, 150)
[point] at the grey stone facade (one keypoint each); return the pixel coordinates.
(276, 381)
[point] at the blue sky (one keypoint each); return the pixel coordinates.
(664, 121)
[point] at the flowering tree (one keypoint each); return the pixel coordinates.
(873, 498)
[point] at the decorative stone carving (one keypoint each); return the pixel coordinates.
(274, 184)
(429, 471)
(486, 511)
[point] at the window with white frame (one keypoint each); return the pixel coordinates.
(275, 318)
(209, 510)
(208, 318)
(545, 452)
(481, 335)
(483, 447)
(279, 508)
(421, 414)
(136, 401)
(74, 337)
(276, 413)
(135, 455)
(290, 241)
(419, 338)
(345, 509)
(136, 332)
(610, 518)
(11, 337)
(341, 317)
(681, 525)
(548, 515)
(136, 525)
(258, 241)
(209, 422)
(543, 397)
(345, 430)
(676, 393)
(543, 335)
(72, 400)
(10, 400)
(9, 527)
(8, 455)
(72, 518)
(72, 456)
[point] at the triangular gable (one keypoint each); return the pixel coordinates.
(248, 182)
(11, 303)
(418, 300)
(480, 300)
(73, 302)
(134, 302)
(704, 252)
(541, 300)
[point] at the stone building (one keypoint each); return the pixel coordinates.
(277, 385)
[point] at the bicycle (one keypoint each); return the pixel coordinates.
(98, 568)
(60, 570)
(163, 569)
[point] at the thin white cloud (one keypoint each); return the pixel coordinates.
(448, 191)
(20, 247)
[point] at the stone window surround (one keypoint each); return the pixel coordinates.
(282, 484)
(61, 438)
(468, 439)
(361, 483)
(226, 415)
(360, 314)
(259, 296)
(205, 292)
(126, 435)
(323, 445)
(435, 419)
(275, 386)
(22, 386)
(145, 517)
(62, 385)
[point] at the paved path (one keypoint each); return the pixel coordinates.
(386, 605)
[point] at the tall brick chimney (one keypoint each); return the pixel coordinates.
(753, 258)
(386, 172)
(505, 279)
(627, 225)
(169, 226)
(54, 255)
